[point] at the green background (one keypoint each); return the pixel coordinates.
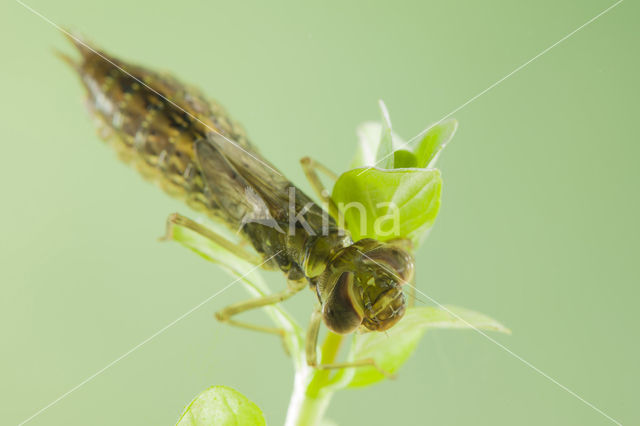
(538, 228)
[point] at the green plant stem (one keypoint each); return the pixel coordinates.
(306, 409)
(311, 395)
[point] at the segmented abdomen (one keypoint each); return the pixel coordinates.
(152, 121)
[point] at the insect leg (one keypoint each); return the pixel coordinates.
(178, 220)
(312, 356)
(226, 314)
(310, 168)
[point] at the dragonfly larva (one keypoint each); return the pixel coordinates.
(190, 147)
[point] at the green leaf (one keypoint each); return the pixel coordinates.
(434, 141)
(391, 350)
(403, 159)
(388, 204)
(384, 155)
(368, 139)
(369, 134)
(221, 406)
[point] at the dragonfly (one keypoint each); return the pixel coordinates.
(189, 146)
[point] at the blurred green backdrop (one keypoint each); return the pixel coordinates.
(539, 225)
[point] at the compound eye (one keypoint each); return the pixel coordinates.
(395, 259)
(342, 311)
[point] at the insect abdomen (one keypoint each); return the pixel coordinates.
(144, 117)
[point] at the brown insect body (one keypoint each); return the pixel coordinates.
(190, 147)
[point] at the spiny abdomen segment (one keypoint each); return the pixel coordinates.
(152, 121)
